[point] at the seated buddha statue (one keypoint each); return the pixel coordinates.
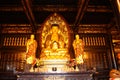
(54, 46)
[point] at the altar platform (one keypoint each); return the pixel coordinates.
(54, 76)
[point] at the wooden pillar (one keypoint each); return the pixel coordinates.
(112, 52)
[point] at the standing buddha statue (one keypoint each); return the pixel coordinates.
(31, 47)
(78, 46)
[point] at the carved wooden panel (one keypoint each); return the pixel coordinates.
(14, 40)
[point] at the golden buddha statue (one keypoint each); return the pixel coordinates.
(31, 47)
(54, 46)
(78, 46)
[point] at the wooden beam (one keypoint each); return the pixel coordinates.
(54, 8)
(11, 8)
(116, 13)
(81, 25)
(29, 13)
(15, 25)
(93, 25)
(98, 9)
(82, 6)
(59, 8)
(40, 8)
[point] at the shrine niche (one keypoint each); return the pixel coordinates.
(55, 39)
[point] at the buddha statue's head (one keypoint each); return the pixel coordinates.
(55, 28)
(32, 36)
(77, 37)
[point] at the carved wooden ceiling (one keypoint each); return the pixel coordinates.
(85, 13)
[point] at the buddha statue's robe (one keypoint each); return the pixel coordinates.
(57, 38)
(51, 51)
(59, 54)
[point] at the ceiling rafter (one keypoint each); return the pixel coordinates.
(29, 13)
(116, 12)
(82, 5)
